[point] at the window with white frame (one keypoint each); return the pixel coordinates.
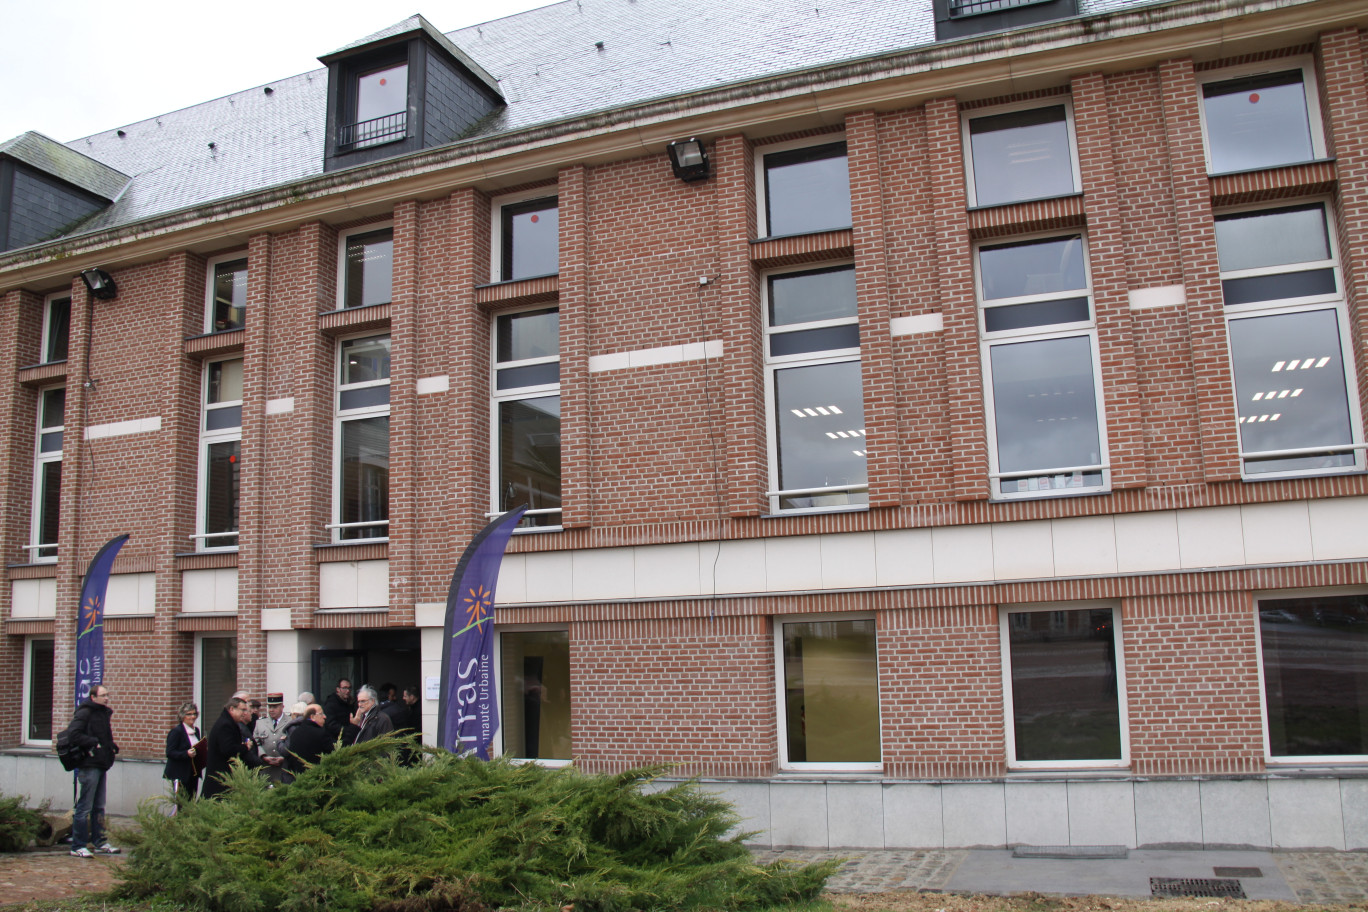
(828, 693)
(47, 475)
(534, 676)
(527, 424)
(1044, 398)
(1019, 153)
(381, 107)
(220, 456)
(56, 327)
(1263, 116)
(802, 187)
(1314, 650)
(1064, 686)
(817, 452)
(1290, 352)
(526, 235)
(366, 267)
(225, 302)
(38, 691)
(361, 502)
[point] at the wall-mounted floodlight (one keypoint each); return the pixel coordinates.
(100, 284)
(689, 159)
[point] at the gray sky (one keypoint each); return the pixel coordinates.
(76, 67)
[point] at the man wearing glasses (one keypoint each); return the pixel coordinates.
(338, 709)
(91, 730)
(370, 722)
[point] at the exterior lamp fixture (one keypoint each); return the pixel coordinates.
(100, 284)
(689, 159)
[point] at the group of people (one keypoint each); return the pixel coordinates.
(280, 747)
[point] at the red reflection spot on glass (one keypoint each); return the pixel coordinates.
(383, 81)
(232, 459)
(536, 218)
(1253, 97)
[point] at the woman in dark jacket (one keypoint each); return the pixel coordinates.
(181, 767)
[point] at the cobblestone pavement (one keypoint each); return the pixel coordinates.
(880, 871)
(53, 874)
(1315, 877)
(1326, 877)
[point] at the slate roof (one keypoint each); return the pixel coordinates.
(51, 157)
(548, 69)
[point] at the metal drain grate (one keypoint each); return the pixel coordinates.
(1220, 887)
(1075, 851)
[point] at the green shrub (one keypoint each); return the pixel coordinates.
(19, 824)
(362, 833)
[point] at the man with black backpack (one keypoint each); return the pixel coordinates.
(90, 730)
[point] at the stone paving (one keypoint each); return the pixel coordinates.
(877, 871)
(1315, 877)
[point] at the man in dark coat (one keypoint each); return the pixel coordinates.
(370, 722)
(309, 740)
(338, 709)
(225, 744)
(91, 730)
(406, 718)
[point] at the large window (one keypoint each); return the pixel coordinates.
(527, 426)
(225, 306)
(803, 188)
(1064, 703)
(817, 450)
(56, 327)
(47, 475)
(1022, 153)
(1315, 673)
(526, 242)
(1261, 119)
(828, 694)
(361, 503)
(1040, 355)
(534, 670)
(1289, 343)
(366, 276)
(38, 694)
(220, 456)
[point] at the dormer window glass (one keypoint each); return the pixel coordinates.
(381, 107)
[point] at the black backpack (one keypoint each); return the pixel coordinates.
(70, 755)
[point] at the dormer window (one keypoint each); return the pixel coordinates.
(381, 113)
(960, 18)
(405, 88)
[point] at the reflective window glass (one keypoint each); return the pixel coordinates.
(831, 692)
(1290, 387)
(1065, 702)
(221, 493)
(1045, 414)
(218, 670)
(364, 481)
(56, 329)
(535, 673)
(1272, 237)
(229, 296)
(805, 297)
(530, 457)
(1257, 122)
(807, 190)
(1026, 268)
(369, 273)
(49, 508)
(365, 360)
(38, 691)
(1315, 673)
(382, 92)
(1021, 155)
(819, 417)
(225, 381)
(528, 334)
(531, 239)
